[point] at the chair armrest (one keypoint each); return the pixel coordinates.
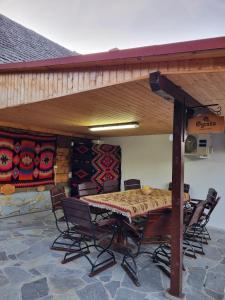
(196, 200)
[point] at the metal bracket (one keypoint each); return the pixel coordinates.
(197, 109)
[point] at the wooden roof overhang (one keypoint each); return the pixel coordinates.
(67, 95)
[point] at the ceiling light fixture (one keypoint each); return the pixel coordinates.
(114, 126)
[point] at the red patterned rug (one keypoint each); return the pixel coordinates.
(97, 163)
(26, 160)
(106, 163)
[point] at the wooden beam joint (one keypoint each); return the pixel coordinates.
(165, 88)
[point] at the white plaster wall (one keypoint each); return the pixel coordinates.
(149, 158)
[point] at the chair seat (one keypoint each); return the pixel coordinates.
(102, 228)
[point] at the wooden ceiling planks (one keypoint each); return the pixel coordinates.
(207, 88)
(116, 104)
(126, 102)
(22, 88)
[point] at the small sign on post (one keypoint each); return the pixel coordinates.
(205, 123)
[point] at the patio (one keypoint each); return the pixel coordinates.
(29, 270)
(156, 87)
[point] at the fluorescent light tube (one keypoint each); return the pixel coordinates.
(114, 126)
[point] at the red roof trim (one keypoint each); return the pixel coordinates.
(117, 55)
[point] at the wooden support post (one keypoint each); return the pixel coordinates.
(166, 89)
(177, 200)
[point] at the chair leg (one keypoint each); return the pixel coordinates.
(132, 272)
(188, 249)
(105, 264)
(161, 256)
(61, 245)
(196, 244)
(96, 268)
(206, 234)
(198, 236)
(102, 266)
(203, 232)
(79, 252)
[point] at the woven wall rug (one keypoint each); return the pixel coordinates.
(26, 160)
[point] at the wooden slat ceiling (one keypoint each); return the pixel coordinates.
(126, 102)
(207, 88)
(116, 104)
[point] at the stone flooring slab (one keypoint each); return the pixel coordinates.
(125, 294)
(94, 291)
(35, 289)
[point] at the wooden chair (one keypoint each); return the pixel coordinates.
(186, 187)
(141, 234)
(211, 202)
(57, 196)
(193, 230)
(201, 229)
(132, 184)
(111, 186)
(78, 213)
(87, 189)
(191, 245)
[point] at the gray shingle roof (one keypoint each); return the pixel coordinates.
(18, 43)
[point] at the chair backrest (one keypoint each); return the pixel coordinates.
(186, 187)
(77, 213)
(211, 196)
(87, 188)
(132, 184)
(57, 195)
(153, 225)
(197, 214)
(111, 186)
(211, 206)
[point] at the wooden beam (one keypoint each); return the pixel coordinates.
(45, 130)
(177, 200)
(166, 89)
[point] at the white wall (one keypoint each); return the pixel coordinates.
(149, 158)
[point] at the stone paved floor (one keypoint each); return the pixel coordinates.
(29, 270)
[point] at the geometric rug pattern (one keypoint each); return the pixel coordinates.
(96, 163)
(26, 160)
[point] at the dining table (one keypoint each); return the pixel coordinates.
(131, 204)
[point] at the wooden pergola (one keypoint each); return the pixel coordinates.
(66, 95)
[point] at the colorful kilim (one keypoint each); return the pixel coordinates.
(26, 160)
(133, 203)
(96, 163)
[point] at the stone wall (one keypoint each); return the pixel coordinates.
(24, 202)
(28, 200)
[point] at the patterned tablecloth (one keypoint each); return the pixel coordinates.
(132, 203)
